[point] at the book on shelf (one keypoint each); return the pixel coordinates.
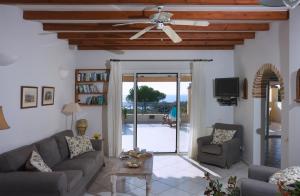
(87, 88)
(93, 77)
(95, 100)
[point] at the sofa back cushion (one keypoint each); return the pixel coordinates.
(48, 149)
(16, 159)
(62, 143)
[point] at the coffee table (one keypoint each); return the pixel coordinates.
(145, 171)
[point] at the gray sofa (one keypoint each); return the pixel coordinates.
(257, 182)
(70, 177)
(221, 155)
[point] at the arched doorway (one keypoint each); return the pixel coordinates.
(269, 87)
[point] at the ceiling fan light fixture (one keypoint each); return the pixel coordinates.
(291, 4)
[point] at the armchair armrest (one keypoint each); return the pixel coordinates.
(262, 173)
(234, 143)
(97, 144)
(250, 187)
(26, 183)
(202, 141)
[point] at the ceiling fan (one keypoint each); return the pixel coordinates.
(280, 3)
(161, 21)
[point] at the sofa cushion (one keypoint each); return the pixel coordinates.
(79, 145)
(94, 155)
(87, 166)
(48, 149)
(73, 178)
(62, 143)
(36, 163)
(16, 159)
(212, 149)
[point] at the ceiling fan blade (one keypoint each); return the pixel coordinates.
(172, 34)
(190, 23)
(131, 23)
(272, 3)
(142, 32)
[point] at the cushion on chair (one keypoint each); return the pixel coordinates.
(212, 149)
(73, 177)
(79, 145)
(48, 149)
(288, 176)
(85, 165)
(221, 135)
(36, 163)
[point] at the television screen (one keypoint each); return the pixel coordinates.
(227, 87)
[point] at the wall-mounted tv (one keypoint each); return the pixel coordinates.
(227, 87)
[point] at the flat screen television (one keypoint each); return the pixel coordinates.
(227, 87)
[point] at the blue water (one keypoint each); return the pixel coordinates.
(170, 98)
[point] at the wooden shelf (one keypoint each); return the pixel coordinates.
(86, 96)
(100, 93)
(91, 82)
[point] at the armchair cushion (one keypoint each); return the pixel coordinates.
(288, 176)
(262, 173)
(221, 135)
(212, 149)
(73, 177)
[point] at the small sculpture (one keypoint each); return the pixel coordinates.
(81, 126)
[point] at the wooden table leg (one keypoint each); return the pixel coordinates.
(148, 184)
(113, 179)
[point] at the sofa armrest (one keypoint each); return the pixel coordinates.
(202, 141)
(33, 182)
(97, 144)
(250, 187)
(262, 173)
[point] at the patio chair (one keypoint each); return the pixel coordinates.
(170, 118)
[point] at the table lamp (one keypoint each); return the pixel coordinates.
(71, 109)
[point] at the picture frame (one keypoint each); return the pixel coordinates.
(29, 97)
(48, 95)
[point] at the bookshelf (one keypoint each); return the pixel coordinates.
(91, 86)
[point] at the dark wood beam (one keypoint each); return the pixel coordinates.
(137, 27)
(152, 2)
(155, 47)
(153, 42)
(129, 15)
(160, 35)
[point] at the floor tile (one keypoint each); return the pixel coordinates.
(174, 192)
(191, 187)
(158, 187)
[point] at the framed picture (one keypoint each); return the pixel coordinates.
(47, 95)
(29, 97)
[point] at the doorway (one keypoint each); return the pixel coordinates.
(151, 118)
(273, 128)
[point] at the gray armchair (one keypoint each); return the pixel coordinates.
(221, 155)
(257, 182)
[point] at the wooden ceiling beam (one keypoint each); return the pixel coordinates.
(137, 27)
(160, 35)
(130, 15)
(151, 2)
(153, 42)
(155, 48)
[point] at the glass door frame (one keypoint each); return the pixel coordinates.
(177, 74)
(178, 83)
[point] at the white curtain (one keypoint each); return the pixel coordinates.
(197, 107)
(115, 110)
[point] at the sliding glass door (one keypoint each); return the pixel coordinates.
(156, 112)
(151, 119)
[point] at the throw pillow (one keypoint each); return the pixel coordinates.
(78, 145)
(36, 163)
(288, 176)
(220, 136)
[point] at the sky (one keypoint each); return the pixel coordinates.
(169, 88)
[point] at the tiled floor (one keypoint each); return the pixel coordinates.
(173, 176)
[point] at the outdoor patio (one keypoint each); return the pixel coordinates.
(155, 137)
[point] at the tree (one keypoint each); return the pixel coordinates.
(146, 94)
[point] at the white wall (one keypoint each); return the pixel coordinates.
(40, 58)
(222, 66)
(280, 47)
